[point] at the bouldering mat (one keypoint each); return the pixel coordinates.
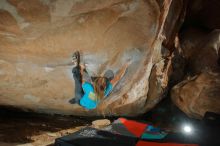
(146, 143)
(127, 127)
(94, 137)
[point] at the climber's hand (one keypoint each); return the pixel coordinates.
(129, 62)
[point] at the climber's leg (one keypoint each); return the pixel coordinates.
(77, 78)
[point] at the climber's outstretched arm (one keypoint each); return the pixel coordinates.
(121, 73)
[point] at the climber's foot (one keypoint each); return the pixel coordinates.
(74, 101)
(76, 58)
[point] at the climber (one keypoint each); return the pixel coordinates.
(95, 89)
(77, 78)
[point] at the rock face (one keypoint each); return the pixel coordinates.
(201, 50)
(198, 95)
(199, 42)
(38, 37)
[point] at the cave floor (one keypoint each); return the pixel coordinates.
(29, 129)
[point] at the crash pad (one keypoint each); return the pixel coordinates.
(146, 143)
(94, 137)
(134, 127)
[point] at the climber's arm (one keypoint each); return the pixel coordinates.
(82, 68)
(84, 74)
(121, 73)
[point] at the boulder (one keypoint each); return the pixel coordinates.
(38, 38)
(199, 92)
(198, 95)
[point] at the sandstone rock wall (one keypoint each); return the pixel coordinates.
(199, 45)
(38, 37)
(199, 92)
(198, 95)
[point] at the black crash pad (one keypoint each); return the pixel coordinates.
(94, 137)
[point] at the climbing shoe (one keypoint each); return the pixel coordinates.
(76, 58)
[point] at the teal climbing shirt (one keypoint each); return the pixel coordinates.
(88, 100)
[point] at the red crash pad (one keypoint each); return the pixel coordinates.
(134, 127)
(145, 143)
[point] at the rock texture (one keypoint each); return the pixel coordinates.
(201, 50)
(199, 45)
(38, 37)
(198, 95)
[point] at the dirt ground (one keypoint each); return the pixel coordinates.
(18, 128)
(30, 129)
